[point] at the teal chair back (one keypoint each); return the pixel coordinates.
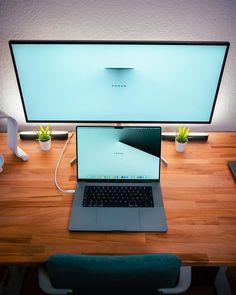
(128, 274)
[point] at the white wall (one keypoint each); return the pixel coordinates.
(120, 20)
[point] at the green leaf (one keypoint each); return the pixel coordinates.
(182, 134)
(43, 134)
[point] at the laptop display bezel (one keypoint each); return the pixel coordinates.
(117, 180)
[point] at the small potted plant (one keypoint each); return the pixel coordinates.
(181, 138)
(44, 137)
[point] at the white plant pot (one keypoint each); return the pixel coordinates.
(180, 147)
(45, 145)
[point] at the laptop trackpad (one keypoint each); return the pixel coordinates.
(120, 219)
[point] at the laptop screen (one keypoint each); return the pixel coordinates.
(118, 154)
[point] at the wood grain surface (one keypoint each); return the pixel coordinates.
(199, 195)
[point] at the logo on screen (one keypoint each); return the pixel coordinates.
(119, 85)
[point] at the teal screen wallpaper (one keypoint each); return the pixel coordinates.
(74, 82)
(107, 153)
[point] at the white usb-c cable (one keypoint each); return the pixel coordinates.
(58, 163)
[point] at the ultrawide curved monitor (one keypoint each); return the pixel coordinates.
(118, 81)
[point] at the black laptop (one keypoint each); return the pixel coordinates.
(118, 180)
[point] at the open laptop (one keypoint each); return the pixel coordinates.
(118, 180)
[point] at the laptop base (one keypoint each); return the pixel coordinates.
(117, 219)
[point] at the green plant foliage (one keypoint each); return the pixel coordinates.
(182, 134)
(43, 134)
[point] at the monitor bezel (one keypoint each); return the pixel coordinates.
(120, 42)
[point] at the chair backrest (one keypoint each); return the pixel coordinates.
(147, 272)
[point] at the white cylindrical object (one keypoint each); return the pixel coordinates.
(1, 162)
(45, 145)
(179, 146)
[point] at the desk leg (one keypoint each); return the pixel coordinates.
(15, 280)
(221, 282)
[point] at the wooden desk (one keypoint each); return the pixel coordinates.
(199, 195)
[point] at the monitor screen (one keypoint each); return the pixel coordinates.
(116, 154)
(99, 81)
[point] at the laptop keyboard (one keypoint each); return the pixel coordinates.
(118, 196)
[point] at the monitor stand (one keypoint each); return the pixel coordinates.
(120, 125)
(163, 161)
